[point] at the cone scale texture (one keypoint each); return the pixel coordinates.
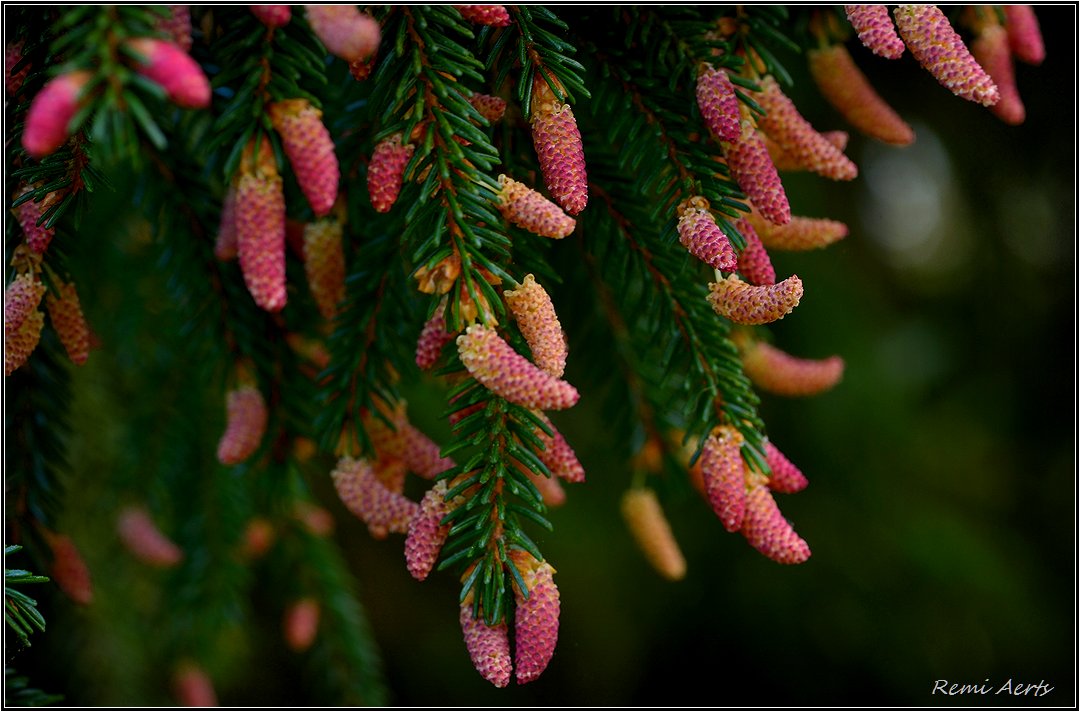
(260, 235)
(510, 375)
(754, 263)
(751, 305)
(272, 15)
(784, 124)
(432, 338)
(718, 104)
(66, 315)
(426, 536)
(702, 237)
(386, 172)
(536, 618)
(559, 150)
(558, 456)
(494, 15)
(991, 51)
(724, 475)
(767, 531)
(531, 307)
(786, 477)
(750, 166)
(310, 150)
(801, 233)
(383, 510)
(324, 265)
(531, 211)
(875, 29)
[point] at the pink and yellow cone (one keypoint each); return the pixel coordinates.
(536, 617)
(768, 531)
(750, 165)
(510, 375)
(702, 237)
(142, 538)
(723, 471)
(559, 150)
(785, 162)
(245, 425)
(310, 150)
(344, 30)
(386, 171)
(66, 315)
(51, 112)
(718, 103)
(801, 233)
(260, 229)
(844, 86)
(22, 320)
(488, 646)
(752, 305)
(777, 372)
(490, 107)
(786, 478)
(651, 531)
(991, 51)
(494, 15)
(535, 315)
(531, 211)
(174, 70)
(937, 47)
(426, 535)
(754, 263)
(383, 510)
(557, 455)
(324, 265)
(1025, 37)
(875, 29)
(784, 124)
(432, 338)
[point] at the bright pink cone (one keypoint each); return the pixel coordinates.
(28, 214)
(784, 124)
(751, 305)
(426, 535)
(494, 15)
(536, 618)
(559, 149)
(272, 15)
(754, 263)
(531, 211)
(66, 315)
(844, 86)
(875, 29)
(723, 470)
(718, 103)
(22, 320)
(260, 229)
(750, 166)
(383, 510)
(702, 237)
(508, 374)
(652, 533)
(937, 47)
(775, 371)
(51, 111)
(142, 538)
(324, 265)
(488, 646)
(386, 171)
(558, 456)
(432, 339)
(786, 477)
(344, 30)
(171, 67)
(767, 530)
(1025, 37)
(310, 150)
(991, 51)
(800, 234)
(245, 425)
(531, 307)
(301, 624)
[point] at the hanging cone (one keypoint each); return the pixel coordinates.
(1025, 37)
(301, 624)
(750, 305)
(991, 51)
(426, 535)
(786, 162)
(245, 426)
(510, 375)
(142, 538)
(875, 29)
(702, 237)
(550, 489)
(937, 47)
(531, 211)
(344, 30)
(488, 646)
(723, 471)
(559, 149)
(784, 124)
(192, 686)
(774, 371)
(310, 150)
(51, 112)
(66, 315)
(536, 617)
(490, 107)
(750, 166)
(531, 307)
(844, 86)
(786, 477)
(370, 501)
(386, 171)
(558, 456)
(69, 570)
(767, 530)
(22, 320)
(174, 70)
(29, 213)
(260, 228)
(718, 103)
(324, 265)
(800, 234)
(432, 339)
(652, 532)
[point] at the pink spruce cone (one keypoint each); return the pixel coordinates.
(767, 531)
(488, 646)
(432, 339)
(22, 320)
(751, 305)
(786, 162)
(750, 166)
(559, 149)
(551, 491)
(784, 124)
(844, 86)
(800, 234)
(51, 111)
(991, 51)
(531, 211)
(362, 493)
(724, 473)
(754, 262)
(875, 29)
(29, 213)
(558, 456)
(260, 230)
(245, 425)
(494, 15)
(225, 244)
(702, 237)
(426, 535)
(421, 454)
(536, 618)
(531, 307)
(508, 374)
(652, 532)
(66, 315)
(142, 538)
(192, 686)
(344, 30)
(301, 624)
(718, 103)
(177, 25)
(1025, 38)
(310, 150)
(324, 265)
(386, 171)
(775, 371)
(937, 47)
(490, 107)
(786, 477)
(272, 15)
(69, 570)
(13, 54)
(171, 67)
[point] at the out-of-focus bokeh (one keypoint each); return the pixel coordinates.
(941, 505)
